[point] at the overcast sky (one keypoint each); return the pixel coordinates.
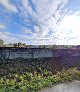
(40, 21)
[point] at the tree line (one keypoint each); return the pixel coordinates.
(19, 44)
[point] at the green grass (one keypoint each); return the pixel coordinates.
(28, 82)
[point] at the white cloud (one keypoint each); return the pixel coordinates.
(46, 16)
(27, 31)
(7, 37)
(52, 21)
(69, 30)
(52, 16)
(11, 38)
(8, 6)
(2, 26)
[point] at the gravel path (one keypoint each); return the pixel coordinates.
(69, 87)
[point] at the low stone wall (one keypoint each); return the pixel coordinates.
(25, 53)
(21, 59)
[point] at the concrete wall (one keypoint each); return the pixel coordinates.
(25, 53)
(53, 59)
(11, 53)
